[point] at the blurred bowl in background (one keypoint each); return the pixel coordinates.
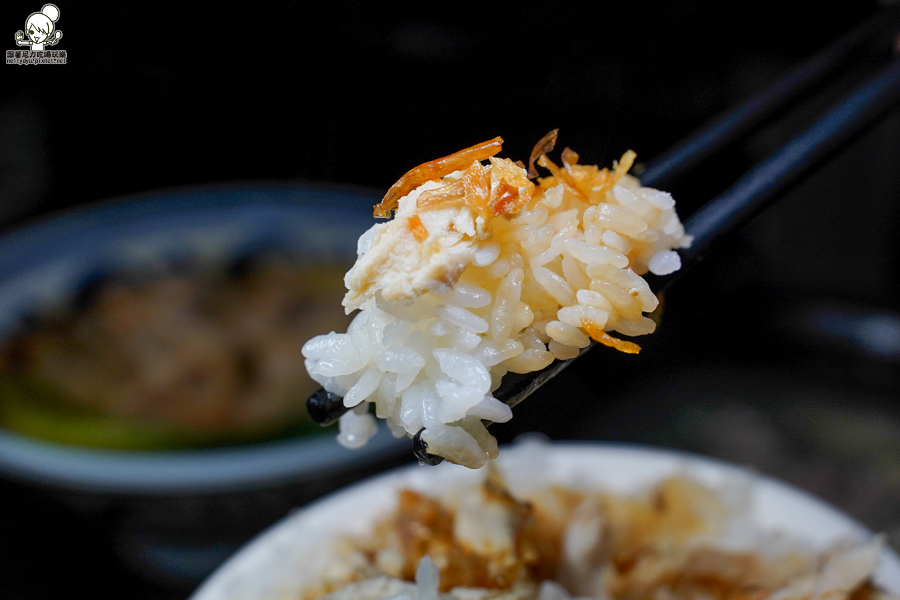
(174, 513)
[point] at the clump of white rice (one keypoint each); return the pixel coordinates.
(447, 309)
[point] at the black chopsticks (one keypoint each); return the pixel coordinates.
(754, 191)
(865, 42)
(787, 166)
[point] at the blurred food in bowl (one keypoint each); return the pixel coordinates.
(552, 522)
(677, 540)
(111, 316)
(190, 356)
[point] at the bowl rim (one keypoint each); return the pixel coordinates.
(200, 471)
(40, 239)
(574, 462)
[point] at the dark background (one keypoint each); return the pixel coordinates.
(780, 352)
(155, 96)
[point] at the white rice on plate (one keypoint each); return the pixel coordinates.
(482, 272)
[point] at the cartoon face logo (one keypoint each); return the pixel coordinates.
(41, 29)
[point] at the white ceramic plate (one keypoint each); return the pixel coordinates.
(283, 560)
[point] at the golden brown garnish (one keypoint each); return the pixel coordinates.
(623, 165)
(587, 181)
(700, 573)
(677, 510)
(562, 176)
(504, 193)
(598, 335)
(569, 159)
(507, 200)
(418, 229)
(423, 526)
(512, 190)
(435, 169)
(472, 188)
(662, 543)
(646, 543)
(584, 178)
(544, 145)
(620, 169)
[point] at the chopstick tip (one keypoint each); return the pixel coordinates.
(420, 450)
(325, 408)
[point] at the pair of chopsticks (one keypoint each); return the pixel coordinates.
(871, 42)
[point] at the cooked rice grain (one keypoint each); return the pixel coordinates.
(480, 277)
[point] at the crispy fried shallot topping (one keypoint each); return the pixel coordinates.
(424, 527)
(569, 160)
(587, 181)
(544, 145)
(505, 192)
(562, 175)
(511, 188)
(507, 200)
(473, 188)
(435, 169)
